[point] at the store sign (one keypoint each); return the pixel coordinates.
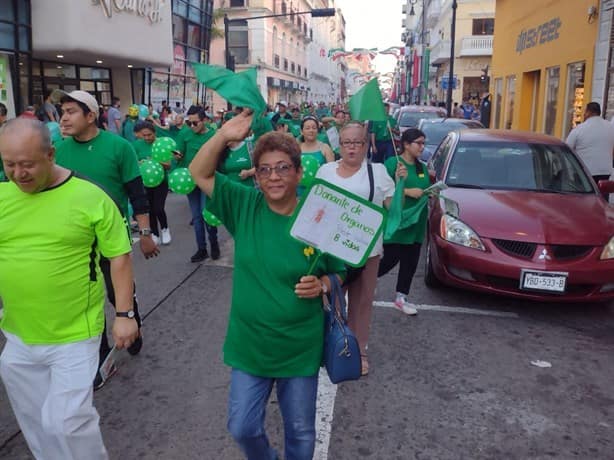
(544, 33)
(149, 9)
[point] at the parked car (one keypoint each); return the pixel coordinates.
(521, 217)
(410, 115)
(435, 129)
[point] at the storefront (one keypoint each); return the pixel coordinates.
(542, 65)
(138, 51)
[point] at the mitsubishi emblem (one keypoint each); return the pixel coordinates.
(544, 255)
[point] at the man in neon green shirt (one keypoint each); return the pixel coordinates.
(53, 226)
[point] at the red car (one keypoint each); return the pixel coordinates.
(521, 217)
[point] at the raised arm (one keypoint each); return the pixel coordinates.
(205, 162)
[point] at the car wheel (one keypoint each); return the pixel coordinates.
(430, 278)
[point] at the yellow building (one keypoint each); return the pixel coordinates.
(542, 64)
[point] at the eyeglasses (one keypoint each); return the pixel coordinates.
(281, 169)
(191, 123)
(352, 143)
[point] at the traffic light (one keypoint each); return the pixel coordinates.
(484, 78)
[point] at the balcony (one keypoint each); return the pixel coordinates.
(476, 45)
(432, 14)
(440, 53)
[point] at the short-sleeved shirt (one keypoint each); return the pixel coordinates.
(113, 114)
(189, 143)
(358, 184)
(416, 232)
(107, 160)
(271, 332)
(50, 281)
(380, 129)
(128, 129)
(47, 108)
(593, 141)
(238, 159)
(142, 149)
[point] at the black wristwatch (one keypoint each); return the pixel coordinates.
(125, 314)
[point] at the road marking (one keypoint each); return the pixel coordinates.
(325, 406)
(468, 311)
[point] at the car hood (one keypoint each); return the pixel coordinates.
(546, 218)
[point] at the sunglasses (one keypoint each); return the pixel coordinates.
(282, 170)
(191, 123)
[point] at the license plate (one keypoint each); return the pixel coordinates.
(531, 280)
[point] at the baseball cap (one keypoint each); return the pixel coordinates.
(83, 97)
(284, 103)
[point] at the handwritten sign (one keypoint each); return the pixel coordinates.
(338, 222)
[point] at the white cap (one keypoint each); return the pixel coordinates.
(284, 103)
(83, 97)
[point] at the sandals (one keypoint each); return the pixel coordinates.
(364, 362)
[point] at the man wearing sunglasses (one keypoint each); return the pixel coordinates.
(188, 144)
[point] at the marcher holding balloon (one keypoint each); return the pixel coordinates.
(155, 157)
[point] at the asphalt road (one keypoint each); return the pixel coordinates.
(454, 382)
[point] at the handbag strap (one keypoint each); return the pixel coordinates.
(371, 181)
(337, 297)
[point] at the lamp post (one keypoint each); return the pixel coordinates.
(451, 74)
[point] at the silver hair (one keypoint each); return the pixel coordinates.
(37, 127)
(354, 124)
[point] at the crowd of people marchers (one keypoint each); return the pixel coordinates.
(73, 200)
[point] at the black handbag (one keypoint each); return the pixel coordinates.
(341, 349)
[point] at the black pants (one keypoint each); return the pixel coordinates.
(597, 179)
(408, 255)
(157, 200)
(105, 267)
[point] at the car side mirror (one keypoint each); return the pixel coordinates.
(606, 186)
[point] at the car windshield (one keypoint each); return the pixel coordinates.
(411, 119)
(517, 166)
(435, 132)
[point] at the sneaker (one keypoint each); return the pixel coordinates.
(156, 239)
(215, 250)
(166, 236)
(136, 346)
(99, 382)
(401, 304)
(199, 256)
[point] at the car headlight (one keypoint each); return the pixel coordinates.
(456, 231)
(608, 250)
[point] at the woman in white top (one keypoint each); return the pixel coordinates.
(352, 174)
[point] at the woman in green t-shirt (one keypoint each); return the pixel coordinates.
(310, 145)
(404, 245)
(236, 163)
(275, 333)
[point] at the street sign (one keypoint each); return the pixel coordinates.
(445, 82)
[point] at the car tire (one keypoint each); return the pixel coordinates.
(430, 278)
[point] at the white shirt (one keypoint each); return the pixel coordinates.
(593, 141)
(358, 184)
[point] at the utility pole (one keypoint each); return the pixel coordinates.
(451, 74)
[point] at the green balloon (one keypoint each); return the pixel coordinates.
(152, 173)
(180, 181)
(162, 149)
(310, 168)
(211, 218)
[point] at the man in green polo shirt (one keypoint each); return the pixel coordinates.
(109, 161)
(53, 225)
(381, 141)
(188, 145)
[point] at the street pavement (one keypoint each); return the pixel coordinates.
(454, 382)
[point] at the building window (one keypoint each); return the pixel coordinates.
(484, 26)
(305, 72)
(276, 61)
(552, 91)
(285, 64)
(509, 101)
(292, 67)
(299, 71)
(237, 3)
(275, 44)
(574, 98)
(238, 42)
(498, 101)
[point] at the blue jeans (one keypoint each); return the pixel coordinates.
(197, 200)
(246, 411)
(385, 150)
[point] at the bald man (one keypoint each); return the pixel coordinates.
(53, 228)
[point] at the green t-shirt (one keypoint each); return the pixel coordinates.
(236, 161)
(142, 149)
(108, 160)
(414, 233)
(318, 155)
(128, 129)
(271, 332)
(50, 281)
(189, 143)
(381, 129)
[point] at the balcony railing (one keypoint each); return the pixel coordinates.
(440, 53)
(476, 45)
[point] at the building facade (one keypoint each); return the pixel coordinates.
(603, 74)
(138, 51)
(542, 69)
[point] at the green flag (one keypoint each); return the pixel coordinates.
(399, 218)
(240, 89)
(367, 103)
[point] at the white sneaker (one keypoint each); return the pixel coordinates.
(166, 236)
(155, 239)
(401, 304)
